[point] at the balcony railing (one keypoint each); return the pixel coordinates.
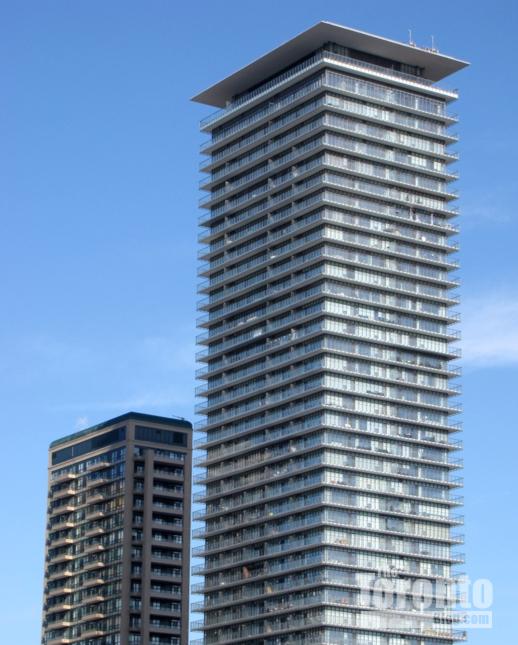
(310, 63)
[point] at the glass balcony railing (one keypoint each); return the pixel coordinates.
(356, 581)
(275, 434)
(252, 536)
(293, 601)
(367, 557)
(370, 207)
(283, 469)
(380, 132)
(434, 247)
(383, 99)
(386, 387)
(308, 87)
(262, 151)
(316, 280)
(409, 465)
(362, 184)
(341, 143)
(368, 255)
(372, 241)
(264, 132)
(257, 349)
(264, 170)
(311, 63)
(288, 523)
(276, 82)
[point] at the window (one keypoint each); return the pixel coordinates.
(78, 449)
(159, 435)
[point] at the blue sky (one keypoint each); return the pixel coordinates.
(98, 204)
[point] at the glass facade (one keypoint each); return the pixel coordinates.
(327, 266)
(118, 541)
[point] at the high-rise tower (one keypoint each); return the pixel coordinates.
(118, 534)
(328, 274)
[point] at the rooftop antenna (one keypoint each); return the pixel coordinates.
(410, 41)
(434, 49)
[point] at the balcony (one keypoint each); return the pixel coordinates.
(287, 412)
(169, 490)
(95, 615)
(358, 183)
(247, 556)
(93, 581)
(61, 557)
(228, 523)
(173, 523)
(66, 508)
(349, 619)
(351, 106)
(96, 496)
(174, 556)
(93, 599)
(93, 632)
(50, 593)
(66, 476)
(399, 156)
(346, 62)
(263, 89)
(276, 402)
(94, 548)
(98, 481)
(404, 175)
(263, 366)
(294, 97)
(95, 513)
(173, 575)
(96, 530)
(263, 171)
(283, 469)
(62, 573)
(268, 385)
(65, 524)
(263, 152)
(321, 281)
(404, 241)
(63, 606)
(61, 541)
(278, 605)
(58, 623)
(288, 528)
(94, 564)
(363, 126)
(97, 465)
(175, 475)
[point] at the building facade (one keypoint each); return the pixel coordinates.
(328, 305)
(118, 534)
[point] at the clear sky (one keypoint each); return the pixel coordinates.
(98, 205)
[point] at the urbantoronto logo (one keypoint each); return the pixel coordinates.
(426, 606)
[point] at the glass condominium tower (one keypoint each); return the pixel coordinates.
(328, 288)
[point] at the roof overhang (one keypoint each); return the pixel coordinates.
(436, 66)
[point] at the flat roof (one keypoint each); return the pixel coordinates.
(436, 66)
(178, 422)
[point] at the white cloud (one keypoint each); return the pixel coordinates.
(82, 423)
(490, 330)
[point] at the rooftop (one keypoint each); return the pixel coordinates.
(177, 422)
(436, 66)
